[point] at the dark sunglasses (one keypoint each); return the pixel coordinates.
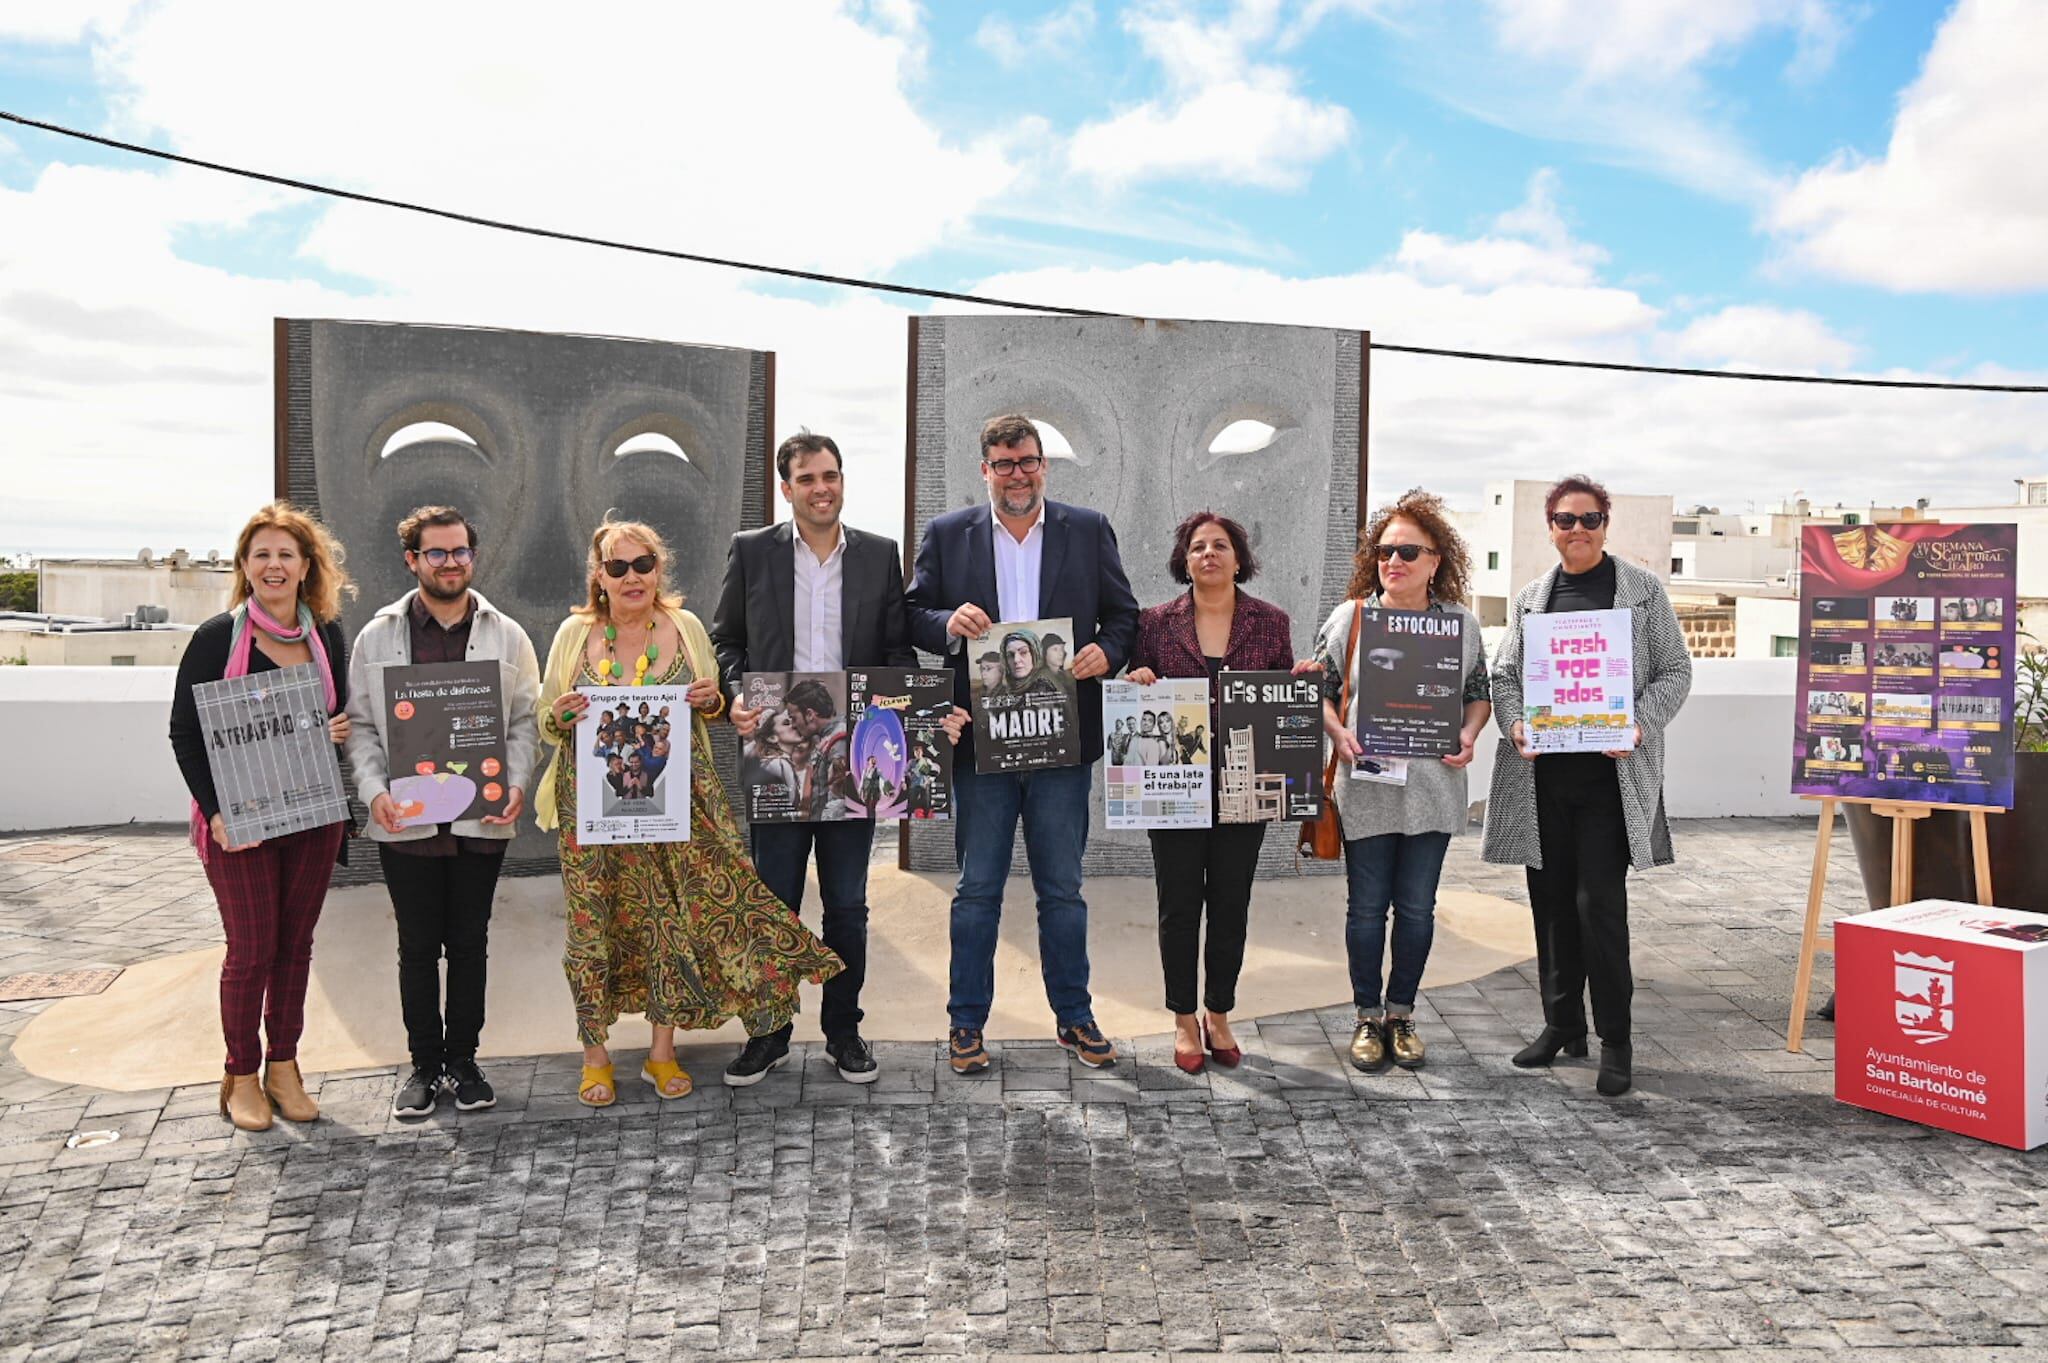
(1407, 553)
(1565, 520)
(643, 565)
(437, 557)
(1030, 463)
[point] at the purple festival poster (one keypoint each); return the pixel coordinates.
(1906, 653)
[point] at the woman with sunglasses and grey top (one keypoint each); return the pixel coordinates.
(1399, 823)
(1579, 821)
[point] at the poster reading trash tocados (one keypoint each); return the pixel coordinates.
(444, 726)
(1026, 714)
(1578, 681)
(1907, 643)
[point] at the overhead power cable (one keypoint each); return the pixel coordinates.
(944, 295)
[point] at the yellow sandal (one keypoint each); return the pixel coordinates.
(594, 1077)
(660, 1072)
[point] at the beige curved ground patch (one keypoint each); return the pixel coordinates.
(159, 1023)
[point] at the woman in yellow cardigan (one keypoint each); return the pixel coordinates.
(684, 932)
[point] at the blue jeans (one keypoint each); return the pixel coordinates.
(1054, 807)
(1401, 869)
(781, 851)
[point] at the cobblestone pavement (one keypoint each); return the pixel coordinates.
(1726, 1208)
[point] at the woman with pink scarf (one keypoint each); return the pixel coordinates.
(285, 607)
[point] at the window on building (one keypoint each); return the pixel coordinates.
(1852, 519)
(2037, 494)
(1496, 499)
(1685, 527)
(1493, 555)
(121, 660)
(1678, 565)
(1784, 646)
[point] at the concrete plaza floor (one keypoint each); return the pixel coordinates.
(1726, 1208)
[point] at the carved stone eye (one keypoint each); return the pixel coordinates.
(426, 433)
(653, 442)
(1243, 437)
(1055, 445)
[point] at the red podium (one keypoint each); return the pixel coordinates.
(1941, 1017)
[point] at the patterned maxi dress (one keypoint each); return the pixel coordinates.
(684, 932)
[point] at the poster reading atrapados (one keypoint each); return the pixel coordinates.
(1578, 681)
(1156, 743)
(444, 725)
(1026, 714)
(1906, 644)
(902, 763)
(1270, 725)
(633, 774)
(273, 765)
(1410, 683)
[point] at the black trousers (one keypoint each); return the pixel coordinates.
(781, 853)
(1197, 869)
(1580, 897)
(443, 906)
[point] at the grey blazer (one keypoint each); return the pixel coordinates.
(1663, 679)
(754, 627)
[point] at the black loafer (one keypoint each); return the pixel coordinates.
(855, 1059)
(762, 1054)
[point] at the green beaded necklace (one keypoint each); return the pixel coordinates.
(610, 671)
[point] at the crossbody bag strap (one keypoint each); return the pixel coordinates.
(1344, 696)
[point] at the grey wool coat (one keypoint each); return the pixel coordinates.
(1663, 679)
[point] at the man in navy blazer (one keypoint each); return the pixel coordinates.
(1021, 557)
(813, 594)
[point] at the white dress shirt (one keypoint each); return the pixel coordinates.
(1017, 566)
(819, 643)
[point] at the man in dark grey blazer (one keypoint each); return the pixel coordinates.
(813, 594)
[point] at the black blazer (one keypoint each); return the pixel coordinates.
(1081, 575)
(754, 627)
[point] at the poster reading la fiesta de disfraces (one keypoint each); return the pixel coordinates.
(1906, 652)
(444, 725)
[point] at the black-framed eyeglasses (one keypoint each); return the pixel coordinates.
(1565, 520)
(1407, 553)
(463, 555)
(643, 565)
(1030, 463)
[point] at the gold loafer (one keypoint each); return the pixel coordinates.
(1369, 1046)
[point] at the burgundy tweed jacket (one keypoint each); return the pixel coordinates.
(1261, 638)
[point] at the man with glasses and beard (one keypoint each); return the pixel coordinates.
(441, 877)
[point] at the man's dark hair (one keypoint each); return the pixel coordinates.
(1049, 640)
(423, 516)
(1011, 428)
(1240, 541)
(805, 442)
(811, 696)
(1578, 482)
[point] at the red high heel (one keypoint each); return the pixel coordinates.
(1226, 1056)
(1191, 1064)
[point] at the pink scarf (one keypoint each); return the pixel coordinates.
(243, 640)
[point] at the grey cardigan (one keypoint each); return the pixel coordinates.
(1663, 679)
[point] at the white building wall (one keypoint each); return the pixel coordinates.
(107, 589)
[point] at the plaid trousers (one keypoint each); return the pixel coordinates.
(270, 898)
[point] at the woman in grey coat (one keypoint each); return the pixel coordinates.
(1579, 821)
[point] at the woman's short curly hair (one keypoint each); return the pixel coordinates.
(1452, 582)
(1240, 540)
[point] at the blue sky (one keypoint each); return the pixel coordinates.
(1818, 185)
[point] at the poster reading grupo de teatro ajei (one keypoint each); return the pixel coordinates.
(1906, 643)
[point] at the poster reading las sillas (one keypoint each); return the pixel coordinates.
(633, 772)
(1578, 681)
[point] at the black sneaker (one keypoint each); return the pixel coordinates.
(419, 1093)
(1088, 1044)
(472, 1091)
(855, 1060)
(763, 1053)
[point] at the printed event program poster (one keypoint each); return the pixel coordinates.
(1156, 740)
(633, 775)
(1271, 728)
(1906, 644)
(1026, 713)
(444, 726)
(266, 740)
(1578, 681)
(902, 762)
(1410, 682)
(797, 767)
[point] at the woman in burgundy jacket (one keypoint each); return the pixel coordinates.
(1210, 628)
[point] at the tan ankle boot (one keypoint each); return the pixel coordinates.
(242, 1102)
(288, 1091)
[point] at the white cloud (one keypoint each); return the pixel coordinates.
(1649, 40)
(1053, 37)
(1529, 244)
(61, 21)
(1959, 200)
(1756, 337)
(1225, 116)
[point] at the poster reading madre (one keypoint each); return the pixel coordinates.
(1027, 715)
(1904, 692)
(445, 726)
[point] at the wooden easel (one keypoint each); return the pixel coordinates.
(1903, 814)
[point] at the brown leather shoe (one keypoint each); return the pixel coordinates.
(1404, 1041)
(1369, 1046)
(242, 1102)
(288, 1091)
